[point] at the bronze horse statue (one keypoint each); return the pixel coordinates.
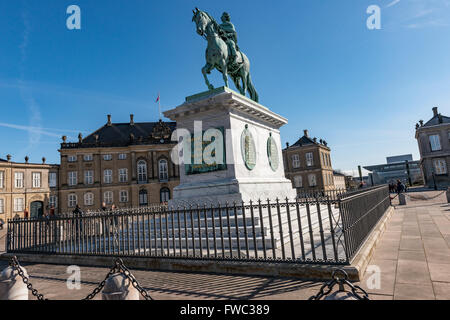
(217, 56)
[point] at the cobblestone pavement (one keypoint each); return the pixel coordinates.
(413, 256)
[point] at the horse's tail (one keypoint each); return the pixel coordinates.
(253, 94)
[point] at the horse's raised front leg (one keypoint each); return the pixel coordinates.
(206, 70)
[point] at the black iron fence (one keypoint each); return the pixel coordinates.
(317, 229)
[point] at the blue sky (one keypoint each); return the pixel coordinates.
(314, 62)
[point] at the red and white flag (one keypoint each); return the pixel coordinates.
(157, 99)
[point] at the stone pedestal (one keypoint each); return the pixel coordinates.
(402, 199)
(253, 163)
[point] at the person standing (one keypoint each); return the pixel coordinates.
(77, 213)
(25, 213)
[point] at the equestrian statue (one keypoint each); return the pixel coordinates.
(223, 52)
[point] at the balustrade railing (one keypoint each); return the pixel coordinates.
(314, 229)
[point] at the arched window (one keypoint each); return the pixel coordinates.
(164, 195)
(163, 170)
(142, 171)
(108, 197)
(89, 199)
(143, 197)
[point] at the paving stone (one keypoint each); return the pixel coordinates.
(412, 255)
(386, 280)
(410, 271)
(411, 243)
(442, 290)
(405, 291)
(439, 272)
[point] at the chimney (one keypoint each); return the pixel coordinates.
(26, 159)
(287, 144)
(306, 133)
(43, 160)
(80, 138)
(109, 120)
(435, 111)
(64, 139)
(8, 157)
(131, 119)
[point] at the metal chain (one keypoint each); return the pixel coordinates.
(14, 263)
(99, 288)
(336, 280)
(134, 282)
(119, 267)
(430, 198)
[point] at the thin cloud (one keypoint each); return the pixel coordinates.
(51, 132)
(393, 3)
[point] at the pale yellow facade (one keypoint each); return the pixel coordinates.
(24, 186)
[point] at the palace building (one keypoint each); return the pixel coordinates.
(125, 164)
(307, 164)
(433, 139)
(26, 187)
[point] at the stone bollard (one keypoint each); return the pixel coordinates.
(448, 195)
(341, 295)
(12, 286)
(119, 287)
(402, 199)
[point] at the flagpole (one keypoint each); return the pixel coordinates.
(159, 106)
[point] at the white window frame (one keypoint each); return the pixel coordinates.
(435, 142)
(312, 180)
(36, 179)
(2, 206)
(52, 180)
(107, 157)
(108, 197)
(2, 179)
(72, 158)
(107, 176)
(123, 196)
(122, 156)
(163, 170)
(309, 159)
(88, 157)
(142, 171)
(18, 180)
(89, 177)
(123, 175)
(440, 166)
(72, 178)
(19, 204)
(72, 200)
(53, 201)
(295, 161)
(88, 199)
(298, 181)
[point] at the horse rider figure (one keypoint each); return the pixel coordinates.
(229, 35)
